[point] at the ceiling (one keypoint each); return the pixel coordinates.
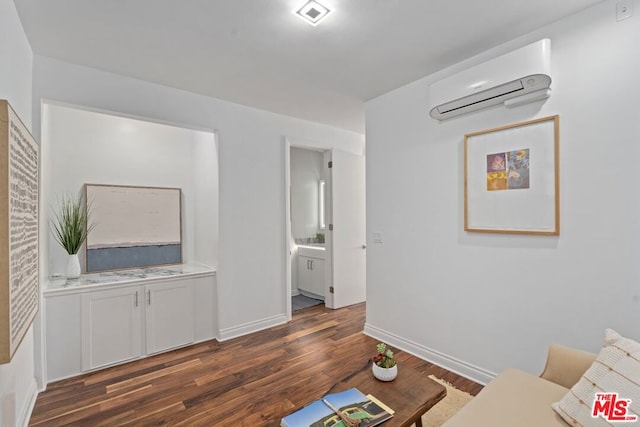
(258, 53)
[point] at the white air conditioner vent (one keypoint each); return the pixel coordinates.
(512, 79)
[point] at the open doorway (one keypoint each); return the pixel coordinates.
(308, 193)
(325, 225)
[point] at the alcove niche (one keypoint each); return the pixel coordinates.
(81, 146)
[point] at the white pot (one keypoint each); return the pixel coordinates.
(385, 374)
(73, 267)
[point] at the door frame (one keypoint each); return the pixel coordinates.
(290, 143)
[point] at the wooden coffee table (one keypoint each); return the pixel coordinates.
(410, 395)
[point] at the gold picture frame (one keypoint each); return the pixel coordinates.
(511, 180)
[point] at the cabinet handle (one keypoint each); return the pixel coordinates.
(135, 300)
(311, 264)
(308, 265)
(149, 293)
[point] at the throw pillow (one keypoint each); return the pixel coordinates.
(615, 370)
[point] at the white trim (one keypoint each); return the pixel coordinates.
(450, 363)
(27, 409)
(250, 327)
(288, 251)
(40, 346)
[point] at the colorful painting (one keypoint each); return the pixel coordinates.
(496, 172)
(511, 178)
(518, 169)
(508, 171)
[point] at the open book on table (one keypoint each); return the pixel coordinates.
(351, 403)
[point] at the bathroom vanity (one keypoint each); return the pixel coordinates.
(311, 270)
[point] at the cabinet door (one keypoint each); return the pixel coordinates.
(170, 315)
(111, 327)
(317, 276)
(311, 275)
(304, 273)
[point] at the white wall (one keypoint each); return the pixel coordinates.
(479, 303)
(17, 378)
(16, 59)
(251, 272)
(306, 171)
(82, 147)
(205, 154)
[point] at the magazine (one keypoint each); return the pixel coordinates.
(351, 403)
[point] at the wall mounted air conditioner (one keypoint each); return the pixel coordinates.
(512, 79)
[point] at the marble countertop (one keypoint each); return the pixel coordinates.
(56, 284)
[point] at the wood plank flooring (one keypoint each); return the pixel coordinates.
(254, 380)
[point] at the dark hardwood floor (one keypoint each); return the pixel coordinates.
(254, 380)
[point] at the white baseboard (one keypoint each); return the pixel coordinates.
(250, 327)
(452, 364)
(27, 409)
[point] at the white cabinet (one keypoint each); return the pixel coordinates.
(111, 323)
(311, 275)
(89, 326)
(112, 326)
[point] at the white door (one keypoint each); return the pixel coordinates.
(170, 315)
(348, 238)
(111, 327)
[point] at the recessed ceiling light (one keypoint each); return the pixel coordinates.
(312, 12)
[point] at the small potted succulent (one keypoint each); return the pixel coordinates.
(384, 366)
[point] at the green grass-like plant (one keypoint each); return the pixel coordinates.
(71, 224)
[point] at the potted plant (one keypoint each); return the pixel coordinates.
(71, 226)
(384, 366)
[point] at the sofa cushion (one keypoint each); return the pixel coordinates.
(615, 370)
(513, 398)
(565, 365)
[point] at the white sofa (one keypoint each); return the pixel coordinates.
(516, 398)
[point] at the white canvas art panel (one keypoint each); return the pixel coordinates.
(133, 226)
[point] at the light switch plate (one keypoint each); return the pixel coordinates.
(377, 237)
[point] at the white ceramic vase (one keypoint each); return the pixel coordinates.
(385, 374)
(73, 266)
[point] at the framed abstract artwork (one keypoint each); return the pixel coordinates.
(133, 227)
(511, 178)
